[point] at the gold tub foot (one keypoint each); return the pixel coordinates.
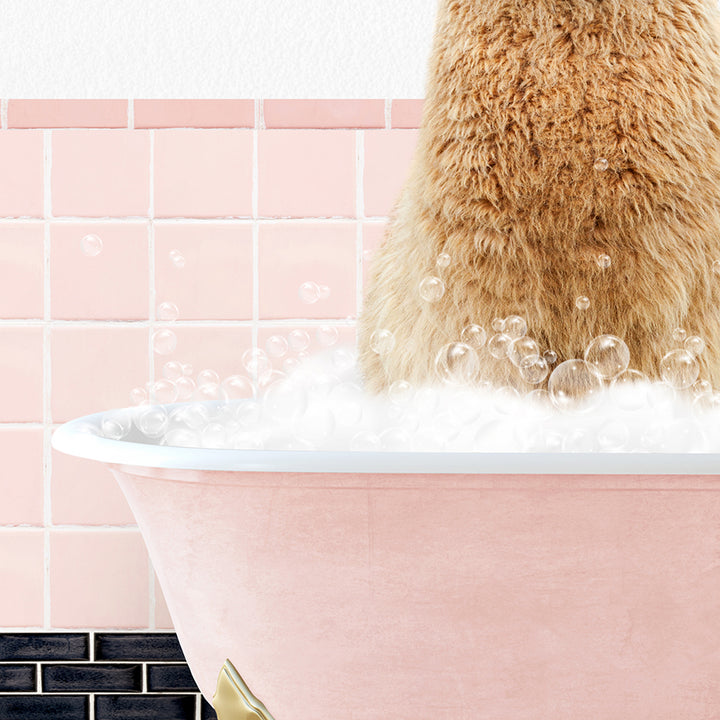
(233, 700)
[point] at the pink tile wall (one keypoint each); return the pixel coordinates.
(257, 197)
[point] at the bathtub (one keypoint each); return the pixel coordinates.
(414, 586)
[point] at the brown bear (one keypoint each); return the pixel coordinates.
(568, 163)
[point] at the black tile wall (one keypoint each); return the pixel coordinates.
(108, 675)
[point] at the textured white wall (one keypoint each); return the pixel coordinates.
(215, 48)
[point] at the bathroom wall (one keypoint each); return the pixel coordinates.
(257, 196)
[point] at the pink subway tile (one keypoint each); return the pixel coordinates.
(203, 173)
(194, 113)
(388, 155)
(21, 481)
(214, 348)
(112, 285)
(94, 368)
(21, 183)
(324, 113)
(306, 173)
(406, 113)
(373, 236)
(21, 577)
(100, 173)
(291, 254)
(316, 335)
(67, 113)
(85, 493)
(216, 280)
(98, 579)
(163, 621)
(21, 374)
(21, 270)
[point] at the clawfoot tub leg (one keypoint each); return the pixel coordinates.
(233, 700)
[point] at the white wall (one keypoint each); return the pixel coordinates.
(215, 48)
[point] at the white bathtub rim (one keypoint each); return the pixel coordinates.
(72, 438)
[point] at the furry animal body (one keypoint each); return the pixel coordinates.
(523, 98)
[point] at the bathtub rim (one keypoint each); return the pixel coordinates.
(72, 438)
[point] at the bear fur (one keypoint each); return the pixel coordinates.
(523, 98)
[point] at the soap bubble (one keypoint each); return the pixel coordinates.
(382, 342)
(604, 261)
(194, 416)
(550, 356)
(578, 440)
(607, 356)
(327, 335)
(323, 292)
(365, 441)
(268, 379)
(400, 392)
(185, 387)
(152, 421)
(210, 391)
(138, 396)
(238, 387)
(92, 245)
(522, 348)
(574, 386)
(213, 435)
(432, 289)
(298, 340)
(499, 345)
(116, 425)
(515, 326)
(601, 164)
(395, 439)
(276, 346)
(172, 370)
(187, 369)
(457, 364)
(443, 260)
(168, 311)
(695, 345)
(582, 302)
(177, 259)
(474, 336)
(343, 359)
(498, 325)
(208, 377)
(679, 369)
(716, 267)
(285, 400)
(679, 335)
(309, 292)
(256, 362)
(181, 437)
(163, 391)
(534, 369)
(164, 341)
(702, 387)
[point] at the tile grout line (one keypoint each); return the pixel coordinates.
(388, 113)
(139, 220)
(151, 291)
(4, 114)
(359, 212)
(259, 122)
(131, 114)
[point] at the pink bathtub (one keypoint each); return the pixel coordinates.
(365, 586)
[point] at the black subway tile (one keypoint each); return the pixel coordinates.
(161, 678)
(92, 678)
(145, 707)
(17, 678)
(138, 646)
(43, 707)
(44, 646)
(207, 711)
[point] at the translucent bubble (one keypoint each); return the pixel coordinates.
(613, 436)
(603, 261)
(432, 289)
(92, 245)
(164, 341)
(181, 437)
(515, 326)
(213, 435)
(443, 260)
(702, 387)
(534, 369)
(163, 391)
(695, 345)
(679, 369)
(707, 402)
(550, 356)
(290, 364)
(365, 441)
(247, 441)
(276, 346)
(574, 386)
(172, 370)
(498, 324)
(177, 259)
(138, 396)
(679, 335)
(579, 440)
(327, 335)
(323, 292)
(457, 364)
(168, 311)
(269, 378)
(194, 416)
(499, 345)
(607, 356)
(601, 164)
(716, 267)
(238, 387)
(285, 400)
(309, 292)
(504, 399)
(474, 336)
(400, 392)
(185, 387)
(210, 391)
(152, 421)
(298, 340)
(187, 369)
(582, 302)
(256, 362)
(521, 348)
(116, 425)
(395, 439)
(248, 414)
(208, 377)
(382, 342)
(343, 359)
